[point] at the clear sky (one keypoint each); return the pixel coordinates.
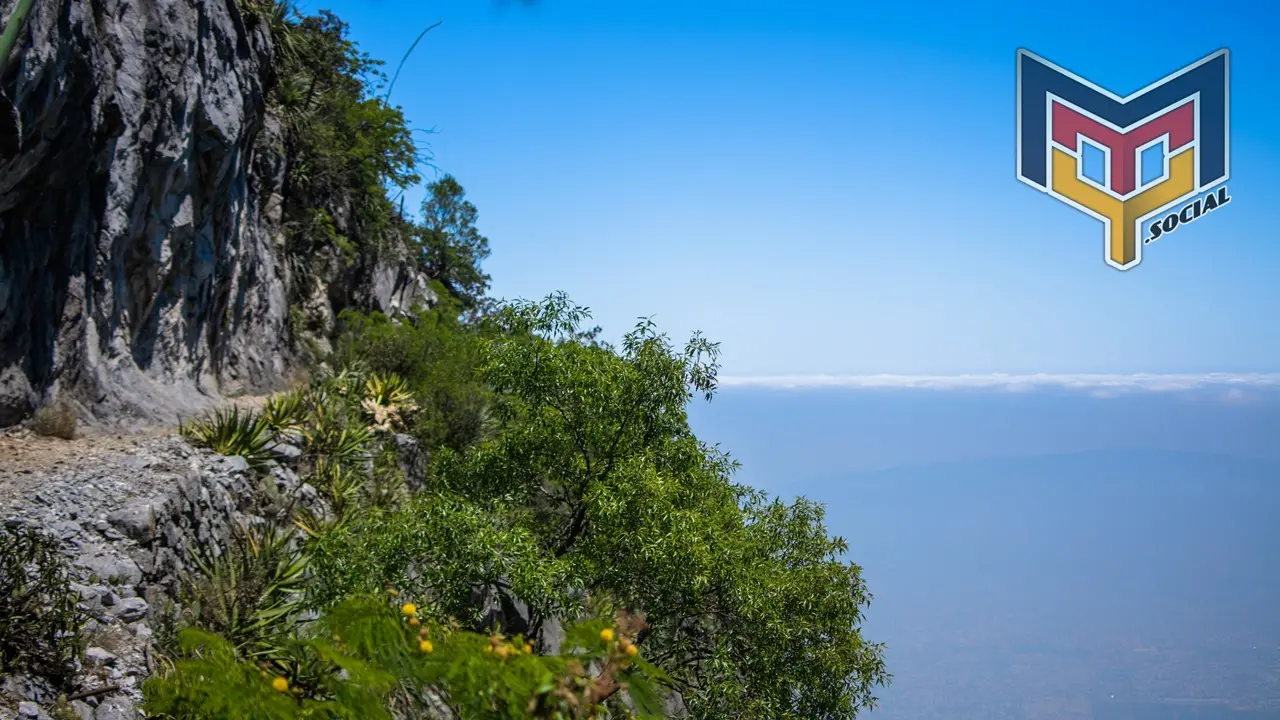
(828, 187)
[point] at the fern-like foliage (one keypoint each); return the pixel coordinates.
(371, 650)
(39, 619)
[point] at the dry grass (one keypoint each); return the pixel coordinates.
(57, 419)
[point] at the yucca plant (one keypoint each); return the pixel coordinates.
(387, 402)
(277, 15)
(285, 412)
(317, 525)
(339, 483)
(387, 390)
(233, 432)
(331, 436)
(347, 382)
(250, 592)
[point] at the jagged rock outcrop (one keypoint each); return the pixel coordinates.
(142, 268)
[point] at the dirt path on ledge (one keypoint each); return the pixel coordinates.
(25, 457)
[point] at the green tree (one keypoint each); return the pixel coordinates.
(752, 612)
(452, 248)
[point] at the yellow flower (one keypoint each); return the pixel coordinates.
(528, 648)
(606, 635)
(415, 622)
(425, 646)
(631, 650)
(280, 684)
(409, 609)
(502, 651)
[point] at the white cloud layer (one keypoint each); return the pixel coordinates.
(1097, 384)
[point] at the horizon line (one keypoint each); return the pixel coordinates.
(1114, 382)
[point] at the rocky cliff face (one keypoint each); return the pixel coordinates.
(142, 270)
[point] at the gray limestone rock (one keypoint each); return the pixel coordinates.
(287, 454)
(117, 708)
(109, 568)
(136, 521)
(99, 656)
(142, 263)
(131, 609)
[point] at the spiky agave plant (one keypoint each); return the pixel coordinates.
(331, 435)
(387, 401)
(347, 382)
(233, 432)
(285, 412)
(339, 483)
(278, 16)
(387, 390)
(249, 592)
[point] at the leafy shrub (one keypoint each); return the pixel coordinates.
(438, 548)
(375, 650)
(39, 621)
(233, 432)
(57, 419)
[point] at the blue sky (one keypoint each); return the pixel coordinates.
(828, 187)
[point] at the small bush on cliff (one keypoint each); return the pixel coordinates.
(39, 622)
(57, 419)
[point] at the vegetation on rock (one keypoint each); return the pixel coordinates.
(39, 620)
(570, 549)
(586, 496)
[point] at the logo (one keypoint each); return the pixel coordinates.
(1144, 165)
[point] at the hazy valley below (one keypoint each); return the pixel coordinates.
(1077, 580)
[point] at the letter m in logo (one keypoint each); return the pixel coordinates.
(1123, 160)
